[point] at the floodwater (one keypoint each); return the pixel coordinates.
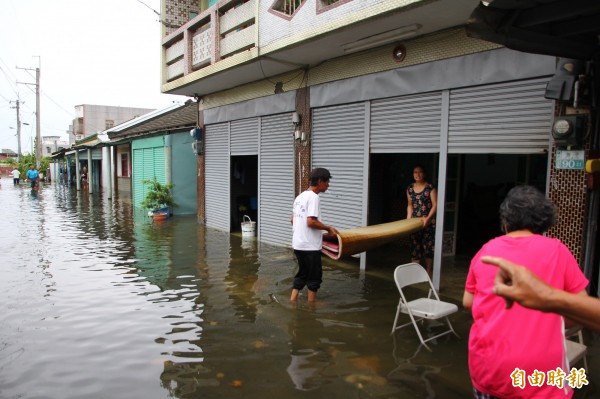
(99, 302)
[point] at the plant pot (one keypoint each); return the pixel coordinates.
(159, 216)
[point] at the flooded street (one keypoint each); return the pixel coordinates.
(99, 302)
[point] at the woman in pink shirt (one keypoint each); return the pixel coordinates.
(519, 352)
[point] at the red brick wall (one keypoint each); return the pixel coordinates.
(302, 150)
(568, 192)
(570, 196)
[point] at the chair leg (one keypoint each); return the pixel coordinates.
(396, 319)
(451, 328)
(414, 322)
(580, 337)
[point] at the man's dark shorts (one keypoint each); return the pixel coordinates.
(311, 270)
(34, 182)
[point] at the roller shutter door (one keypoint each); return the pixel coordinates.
(276, 179)
(147, 163)
(511, 117)
(244, 137)
(217, 191)
(339, 145)
(406, 124)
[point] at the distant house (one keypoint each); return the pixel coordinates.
(7, 153)
(92, 119)
(159, 145)
(52, 144)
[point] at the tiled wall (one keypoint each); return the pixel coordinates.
(177, 13)
(443, 45)
(307, 21)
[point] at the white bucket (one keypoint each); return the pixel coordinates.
(248, 227)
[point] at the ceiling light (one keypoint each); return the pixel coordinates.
(381, 39)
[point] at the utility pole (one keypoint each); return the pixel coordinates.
(38, 134)
(38, 137)
(17, 106)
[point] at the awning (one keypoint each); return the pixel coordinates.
(563, 28)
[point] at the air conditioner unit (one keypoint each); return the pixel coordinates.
(197, 147)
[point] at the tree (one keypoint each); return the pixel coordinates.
(29, 159)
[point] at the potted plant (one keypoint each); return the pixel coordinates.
(159, 198)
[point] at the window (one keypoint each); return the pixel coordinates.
(124, 164)
(48, 150)
(288, 7)
(325, 5)
(109, 124)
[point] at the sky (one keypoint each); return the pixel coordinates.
(88, 52)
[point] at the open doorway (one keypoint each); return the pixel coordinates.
(476, 184)
(482, 182)
(244, 189)
(390, 176)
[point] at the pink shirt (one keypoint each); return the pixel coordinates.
(502, 340)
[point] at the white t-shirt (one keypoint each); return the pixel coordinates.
(16, 173)
(305, 238)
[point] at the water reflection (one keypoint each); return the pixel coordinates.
(134, 309)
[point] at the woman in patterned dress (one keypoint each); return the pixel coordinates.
(422, 203)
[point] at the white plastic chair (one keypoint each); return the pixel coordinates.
(576, 351)
(421, 308)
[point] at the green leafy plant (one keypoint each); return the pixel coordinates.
(158, 195)
(29, 159)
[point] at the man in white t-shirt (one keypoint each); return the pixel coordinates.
(15, 174)
(308, 235)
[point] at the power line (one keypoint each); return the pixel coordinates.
(8, 79)
(4, 98)
(165, 23)
(57, 104)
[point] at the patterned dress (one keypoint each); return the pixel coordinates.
(422, 242)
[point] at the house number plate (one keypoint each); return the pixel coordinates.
(569, 160)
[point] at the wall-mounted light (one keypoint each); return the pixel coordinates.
(399, 53)
(381, 39)
(278, 88)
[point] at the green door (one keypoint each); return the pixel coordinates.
(148, 162)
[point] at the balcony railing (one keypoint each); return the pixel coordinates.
(213, 44)
(219, 32)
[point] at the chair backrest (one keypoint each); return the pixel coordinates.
(410, 273)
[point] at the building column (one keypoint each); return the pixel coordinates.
(89, 170)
